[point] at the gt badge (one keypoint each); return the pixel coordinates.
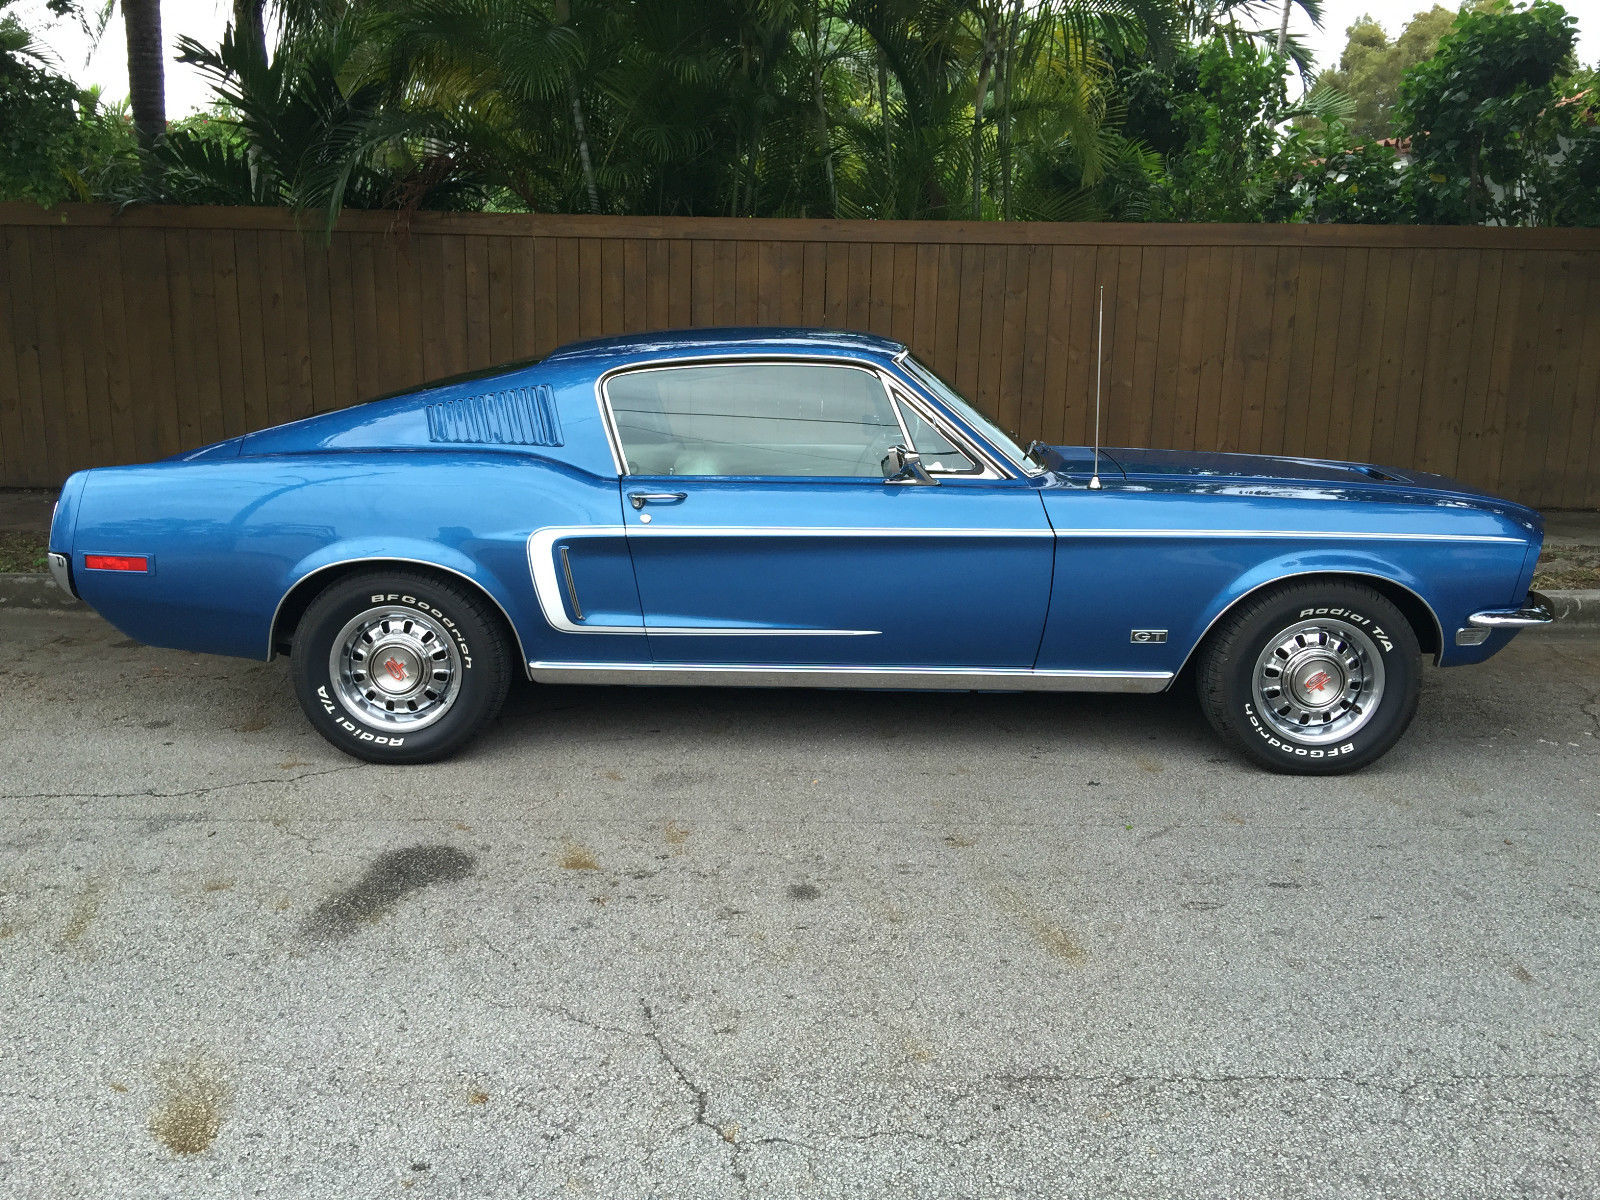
(1148, 636)
(396, 670)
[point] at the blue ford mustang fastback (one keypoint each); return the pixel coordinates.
(787, 507)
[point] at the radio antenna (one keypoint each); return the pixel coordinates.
(1099, 360)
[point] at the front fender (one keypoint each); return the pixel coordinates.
(1112, 593)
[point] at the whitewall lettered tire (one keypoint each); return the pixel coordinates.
(400, 666)
(1315, 678)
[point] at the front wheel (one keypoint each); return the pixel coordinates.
(1312, 678)
(399, 667)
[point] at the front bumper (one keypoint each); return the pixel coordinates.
(1536, 610)
(61, 571)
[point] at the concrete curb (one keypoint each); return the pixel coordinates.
(1575, 607)
(40, 592)
(36, 592)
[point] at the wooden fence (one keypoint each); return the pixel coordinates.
(1472, 352)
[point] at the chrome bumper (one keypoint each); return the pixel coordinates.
(1536, 611)
(61, 572)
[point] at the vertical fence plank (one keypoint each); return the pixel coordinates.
(1581, 485)
(1347, 351)
(1548, 457)
(1368, 352)
(1530, 364)
(1168, 346)
(1030, 417)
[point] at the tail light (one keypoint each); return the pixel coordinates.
(116, 562)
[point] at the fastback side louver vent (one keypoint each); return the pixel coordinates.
(514, 417)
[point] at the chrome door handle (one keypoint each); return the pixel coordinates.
(640, 499)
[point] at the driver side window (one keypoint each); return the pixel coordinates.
(761, 419)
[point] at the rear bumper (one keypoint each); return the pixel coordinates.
(61, 571)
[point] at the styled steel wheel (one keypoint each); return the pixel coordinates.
(1315, 678)
(1319, 681)
(396, 669)
(400, 667)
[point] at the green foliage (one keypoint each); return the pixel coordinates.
(1371, 66)
(1340, 181)
(1213, 115)
(56, 141)
(934, 109)
(1483, 116)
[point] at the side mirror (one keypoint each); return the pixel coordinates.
(905, 466)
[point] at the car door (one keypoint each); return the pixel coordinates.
(763, 532)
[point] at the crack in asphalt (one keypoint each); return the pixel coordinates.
(651, 1033)
(1592, 708)
(702, 1106)
(152, 794)
(702, 1101)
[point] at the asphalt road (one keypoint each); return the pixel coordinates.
(705, 944)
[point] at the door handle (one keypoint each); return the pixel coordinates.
(640, 499)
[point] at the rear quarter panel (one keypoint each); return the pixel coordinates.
(227, 540)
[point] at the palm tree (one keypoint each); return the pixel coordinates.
(147, 89)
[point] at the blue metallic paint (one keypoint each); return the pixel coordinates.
(1053, 575)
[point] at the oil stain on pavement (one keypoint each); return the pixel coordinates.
(194, 1099)
(391, 878)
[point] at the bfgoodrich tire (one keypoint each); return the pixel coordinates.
(1312, 678)
(399, 667)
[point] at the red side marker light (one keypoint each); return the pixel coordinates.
(116, 562)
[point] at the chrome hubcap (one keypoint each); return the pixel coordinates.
(395, 669)
(1318, 681)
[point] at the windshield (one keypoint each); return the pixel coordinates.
(952, 400)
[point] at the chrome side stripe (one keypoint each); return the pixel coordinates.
(1005, 679)
(1314, 535)
(547, 584)
(839, 531)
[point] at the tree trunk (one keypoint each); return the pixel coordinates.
(984, 67)
(1002, 91)
(883, 108)
(822, 115)
(583, 150)
(585, 159)
(250, 27)
(147, 92)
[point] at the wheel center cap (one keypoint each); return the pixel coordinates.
(396, 670)
(1318, 682)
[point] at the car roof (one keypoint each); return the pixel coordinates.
(675, 342)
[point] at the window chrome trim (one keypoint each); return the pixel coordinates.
(964, 442)
(984, 465)
(997, 679)
(909, 366)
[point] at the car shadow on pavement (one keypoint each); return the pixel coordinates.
(909, 719)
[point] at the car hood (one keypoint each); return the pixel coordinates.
(1216, 473)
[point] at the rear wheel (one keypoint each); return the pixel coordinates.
(1312, 678)
(399, 667)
